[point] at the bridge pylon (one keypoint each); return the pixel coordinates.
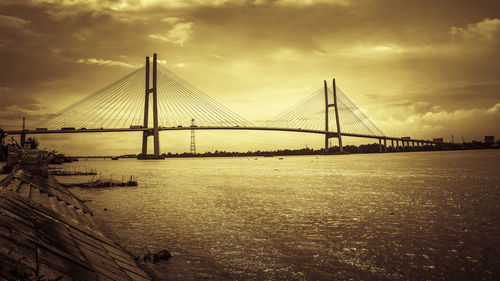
(155, 130)
(192, 148)
(327, 106)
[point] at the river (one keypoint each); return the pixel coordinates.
(392, 216)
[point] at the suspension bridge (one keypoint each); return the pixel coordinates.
(127, 104)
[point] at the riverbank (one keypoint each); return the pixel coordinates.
(349, 149)
(47, 232)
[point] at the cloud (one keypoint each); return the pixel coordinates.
(83, 34)
(121, 5)
(106, 62)
(18, 114)
(424, 120)
(178, 34)
(397, 51)
(424, 107)
(215, 56)
(488, 29)
(12, 100)
(171, 20)
(494, 109)
(367, 51)
(309, 2)
(13, 22)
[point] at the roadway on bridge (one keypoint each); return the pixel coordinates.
(178, 128)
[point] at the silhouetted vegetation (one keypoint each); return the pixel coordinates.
(3, 147)
(30, 143)
(364, 148)
(59, 158)
(33, 142)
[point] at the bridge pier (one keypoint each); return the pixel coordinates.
(385, 145)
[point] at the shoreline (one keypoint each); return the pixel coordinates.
(67, 241)
(274, 154)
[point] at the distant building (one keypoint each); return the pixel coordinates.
(405, 138)
(489, 139)
(439, 140)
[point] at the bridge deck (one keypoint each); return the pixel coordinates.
(299, 130)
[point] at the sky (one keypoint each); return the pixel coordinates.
(417, 68)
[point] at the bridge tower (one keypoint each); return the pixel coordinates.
(155, 131)
(334, 105)
(193, 141)
(23, 134)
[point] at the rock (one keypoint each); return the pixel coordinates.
(161, 255)
(154, 258)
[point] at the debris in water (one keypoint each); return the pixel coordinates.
(72, 173)
(100, 183)
(147, 256)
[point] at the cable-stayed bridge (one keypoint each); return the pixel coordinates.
(127, 104)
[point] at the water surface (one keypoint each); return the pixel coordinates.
(412, 216)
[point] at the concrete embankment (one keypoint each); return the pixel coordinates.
(47, 233)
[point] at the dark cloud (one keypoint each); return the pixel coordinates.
(7, 22)
(9, 97)
(431, 53)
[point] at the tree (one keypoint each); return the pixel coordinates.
(13, 142)
(3, 149)
(3, 135)
(33, 142)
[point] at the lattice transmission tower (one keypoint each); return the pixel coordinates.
(193, 141)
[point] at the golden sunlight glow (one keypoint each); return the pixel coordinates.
(411, 70)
